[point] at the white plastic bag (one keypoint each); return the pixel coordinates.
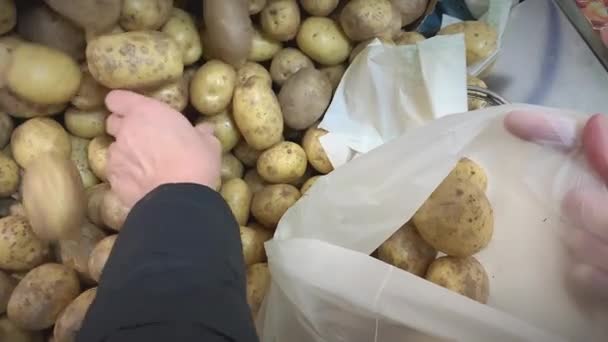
(325, 287)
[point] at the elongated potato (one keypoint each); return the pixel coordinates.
(97, 15)
(182, 29)
(175, 94)
(228, 21)
(269, 204)
(465, 276)
(37, 137)
(7, 285)
(280, 19)
(408, 251)
(250, 69)
(99, 256)
(95, 196)
(263, 46)
(8, 15)
(323, 40)
(86, 123)
(304, 98)
(334, 74)
(9, 176)
(254, 180)
(238, 196)
(75, 253)
(365, 19)
(98, 155)
(212, 87)
(286, 63)
(20, 249)
(112, 211)
(257, 113)
(319, 8)
(224, 129)
(253, 240)
(70, 320)
(139, 15)
(314, 150)
(231, 167)
(285, 162)
(91, 94)
(258, 281)
(134, 60)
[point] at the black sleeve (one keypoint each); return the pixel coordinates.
(176, 273)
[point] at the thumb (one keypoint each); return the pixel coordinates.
(205, 129)
(595, 143)
(543, 128)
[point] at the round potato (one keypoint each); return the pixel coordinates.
(37, 137)
(319, 8)
(308, 184)
(304, 98)
(280, 19)
(365, 19)
(99, 256)
(231, 167)
(410, 10)
(113, 213)
(323, 40)
(20, 108)
(227, 21)
(468, 171)
(334, 74)
(75, 253)
(475, 104)
(237, 194)
(182, 29)
(212, 87)
(51, 287)
(7, 285)
(408, 251)
(43, 75)
(97, 15)
(457, 219)
(8, 15)
(263, 47)
(70, 320)
(254, 181)
(250, 69)
(20, 249)
(286, 63)
(9, 176)
(62, 217)
(39, 24)
(98, 155)
(86, 123)
(246, 154)
(258, 282)
(253, 240)
(90, 95)
(285, 162)
(134, 60)
(407, 38)
(95, 196)
(465, 276)
(6, 129)
(314, 150)
(256, 6)
(175, 94)
(9, 331)
(269, 204)
(479, 37)
(224, 129)
(139, 15)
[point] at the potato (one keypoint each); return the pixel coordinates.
(89, 34)
(263, 47)
(238, 196)
(286, 63)
(406, 38)
(7, 285)
(70, 320)
(99, 256)
(6, 128)
(479, 37)
(90, 94)
(112, 211)
(257, 113)
(61, 217)
(43, 75)
(182, 29)
(365, 19)
(98, 155)
(227, 21)
(256, 6)
(323, 40)
(90, 14)
(95, 196)
(357, 49)
(8, 43)
(465, 276)
(139, 15)
(468, 171)
(283, 163)
(258, 282)
(254, 180)
(319, 8)
(308, 184)
(134, 60)
(212, 87)
(176, 94)
(39, 24)
(75, 253)
(269, 204)
(280, 19)
(19, 108)
(314, 150)
(475, 104)
(406, 250)
(9, 331)
(231, 167)
(250, 69)
(8, 15)
(42, 294)
(20, 249)
(456, 219)
(224, 129)
(253, 244)
(86, 123)
(410, 10)
(16, 209)
(304, 98)
(9, 176)
(37, 137)
(334, 74)
(246, 154)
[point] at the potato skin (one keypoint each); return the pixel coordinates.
(406, 38)
(465, 276)
(285, 162)
(140, 15)
(225, 130)
(9, 176)
(304, 98)
(319, 8)
(314, 150)
(323, 40)
(263, 46)
(90, 94)
(457, 219)
(113, 213)
(479, 37)
(8, 15)
(246, 154)
(80, 159)
(286, 63)
(90, 14)
(9, 331)
(134, 60)
(75, 253)
(70, 320)
(86, 123)
(270, 203)
(468, 171)
(182, 29)
(95, 196)
(280, 19)
(98, 155)
(228, 21)
(334, 74)
(37, 137)
(257, 113)
(309, 183)
(20, 108)
(99, 256)
(410, 10)
(365, 19)
(212, 87)
(175, 94)
(250, 69)
(253, 240)
(231, 167)
(254, 180)
(407, 250)
(51, 287)
(238, 196)
(7, 285)
(20, 249)
(258, 282)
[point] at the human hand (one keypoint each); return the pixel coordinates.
(156, 145)
(587, 208)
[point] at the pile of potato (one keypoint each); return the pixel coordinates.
(262, 72)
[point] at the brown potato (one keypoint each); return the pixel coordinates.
(308, 184)
(269, 204)
(286, 63)
(246, 154)
(212, 87)
(408, 251)
(70, 320)
(90, 95)
(182, 29)
(457, 218)
(113, 213)
(410, 10)
(406, 38)
(323, 41)
(365, 19)
(86, 123)
(9, 331)
(465, 276)
(263, 46)
(95, 196)
(98, 155)
(51, 287)
(250, 69)
(99, 256)
(280, 19)
(37, 137)
(176, 94)
(231, 167)
(75, 253)
(479, 37)
(304, 98)
(20, 249)
(6, 128)
(60, 218)
(285, 162)
(253, 244)
(8, 15)
(319, 8)
(139, 15)
(314, 150)
(254, 180)
(258, 282)
(238, 196)
(9, 176)
(91, 14)
(228, 21)
(80, 159)
(224, 129)
(256, 6)
(7, 285)
(468, 171)
(19, 108)
(334, 74)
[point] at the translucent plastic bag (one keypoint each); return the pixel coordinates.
(325, 287)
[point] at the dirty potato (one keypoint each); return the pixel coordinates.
(408, 251)
(280, 19)
(99, 256)
(70, 320)
(86, 124)
(20, 248)
(270, 203)
(365, 19)
(231, 167)
(258, 282)
(246, 154)
(253, 240)
(283, 163)
(334, 74)
(465, 276)
(323, 41)
(227, 21)
(95, 196)
(212, 87)
(238, 196)
(254, 181)
(182, 29)
(176, 94)
(98, 155)
(468, 171)
(250, 69)
(314, 150)
(90, 94)
(9, 176)
(80, 159)
(263, 47)
(75, 253)
(479, 37)
(112, 211)
(37, 137)
(286, 63)
(139, 15)
(304, 98)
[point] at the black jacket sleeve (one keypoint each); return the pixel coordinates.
(176, 273)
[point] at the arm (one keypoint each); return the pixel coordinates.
(176, 273)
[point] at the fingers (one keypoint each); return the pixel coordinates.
(587, 248)
(125, 103)
(205, 128)
(595, 142)
(543, 128)
(590, 278)
(587, 209)
(113, 124)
